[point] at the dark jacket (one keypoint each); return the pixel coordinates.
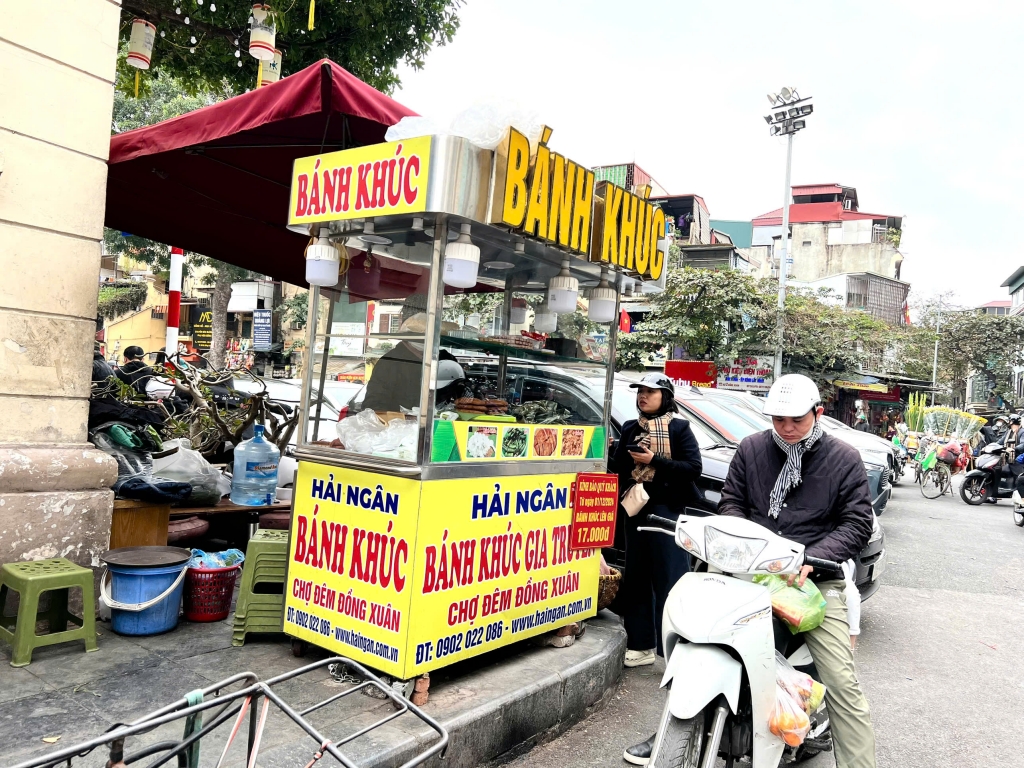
(395, 382)
(673, 483)
(137, 374)
(829, 512)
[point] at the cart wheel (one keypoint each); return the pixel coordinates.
(299, 648)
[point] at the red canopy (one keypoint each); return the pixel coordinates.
(216, 181)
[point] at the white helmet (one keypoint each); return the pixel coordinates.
(792, 395)
(448, 372)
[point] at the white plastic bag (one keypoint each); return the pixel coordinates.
(411, 127)
(365, 433)
(183, 464)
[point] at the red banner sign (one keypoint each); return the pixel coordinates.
(595, 500)
(696, 373)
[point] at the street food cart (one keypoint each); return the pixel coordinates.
(435, 521)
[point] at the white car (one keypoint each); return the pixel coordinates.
(289, 393)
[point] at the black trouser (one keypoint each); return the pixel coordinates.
(654, 563)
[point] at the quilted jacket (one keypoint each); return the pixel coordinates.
(829, 512)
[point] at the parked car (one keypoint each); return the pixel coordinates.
(289, 394)
(710, 425)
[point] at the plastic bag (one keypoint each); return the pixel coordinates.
(226, 559)
(129, 463)
(801, 608)
(788, 719)
(365, 433)
(411, 127)
(804, 689)
(180, 463)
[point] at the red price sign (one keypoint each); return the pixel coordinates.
(595, 500)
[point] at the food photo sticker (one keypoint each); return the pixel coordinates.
(545, 440)
(572, 442)
(482, 443)
(514, 442)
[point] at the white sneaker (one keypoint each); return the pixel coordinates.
(639, 658)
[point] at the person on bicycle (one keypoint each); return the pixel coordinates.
(807, 486)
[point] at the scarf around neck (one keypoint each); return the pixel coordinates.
(790, 476)
(656, 438)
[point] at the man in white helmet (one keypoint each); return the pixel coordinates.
(809, 487)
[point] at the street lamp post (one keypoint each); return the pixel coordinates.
(935, 358)
(786, 121)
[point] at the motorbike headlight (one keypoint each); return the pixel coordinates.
(732, 554)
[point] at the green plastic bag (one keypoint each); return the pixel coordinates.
(929, 460)
(801, 608)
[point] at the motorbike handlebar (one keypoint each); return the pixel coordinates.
(825, 566)
(655, 519)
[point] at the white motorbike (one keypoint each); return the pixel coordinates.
(720, 640)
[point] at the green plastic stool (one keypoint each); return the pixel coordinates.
(30, 580)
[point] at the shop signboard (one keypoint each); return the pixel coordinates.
(350, 342)
(262, 329)
(378, 180)
(408, 576)
(202, 331)
(889, 396)
(692, 373)
(748, 374)
(595, 501)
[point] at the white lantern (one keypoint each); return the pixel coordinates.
(262, 34)
(140, 44)
(518, 316)
(323, 261)
(545, 321)
(272, 70)
(461, 261)
(563, 291)
(602, 301)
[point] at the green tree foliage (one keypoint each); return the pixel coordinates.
(720, 314)
(701, 310)
(295, 309)
(367, 37)
(970, 342)
(120, 299)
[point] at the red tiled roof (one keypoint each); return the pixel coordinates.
(995, 304)
(807, 213)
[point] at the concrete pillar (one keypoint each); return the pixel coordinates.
(57, 58)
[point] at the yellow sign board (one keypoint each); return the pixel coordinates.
(628, 232)
(378, 180)
(408, 576)
(543, 194)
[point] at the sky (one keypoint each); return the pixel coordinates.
(916, 104)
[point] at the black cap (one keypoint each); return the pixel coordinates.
(133, 352)
(656, 381)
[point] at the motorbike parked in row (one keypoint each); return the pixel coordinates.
(720, 643)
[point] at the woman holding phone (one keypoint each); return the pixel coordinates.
(659, 453)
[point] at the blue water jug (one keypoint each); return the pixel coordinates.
(254, 481)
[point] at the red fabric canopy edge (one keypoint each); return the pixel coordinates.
(320, 87)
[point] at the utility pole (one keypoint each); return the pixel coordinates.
(935, 359)
(790, 118)
(783, 255)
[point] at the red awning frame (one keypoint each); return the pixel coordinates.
(216, 181)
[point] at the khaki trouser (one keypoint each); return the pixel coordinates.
(829, 644)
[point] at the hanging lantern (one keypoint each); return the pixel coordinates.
(262, 34)
(271, 70)
(140, 44)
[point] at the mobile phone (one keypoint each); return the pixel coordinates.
(636, 448)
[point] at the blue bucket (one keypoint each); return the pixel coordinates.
(139, 585)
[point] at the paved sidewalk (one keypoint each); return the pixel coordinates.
(490, 705)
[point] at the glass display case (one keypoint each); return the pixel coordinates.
(456, 378)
